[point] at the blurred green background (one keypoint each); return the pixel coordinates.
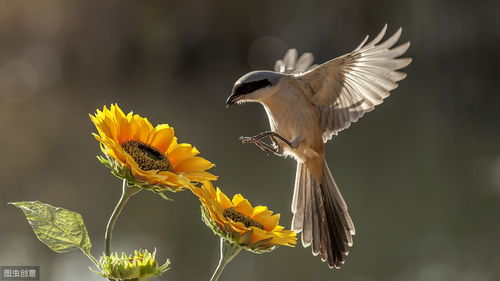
(421, 174)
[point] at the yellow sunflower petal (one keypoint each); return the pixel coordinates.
(242, 205)
(238, 227)
(271, 222)
(261, 213)
(140, 128)
(278, 228)
(209, 192)
(286, 237)
(162, 137)
(200, 176)
(181, 152)
(123, 126)
(193, 164)
(259, 234)
(223, 199)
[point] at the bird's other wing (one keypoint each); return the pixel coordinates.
(344, 88)
(291, 65)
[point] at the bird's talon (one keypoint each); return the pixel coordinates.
(248, 140)
(263, 148)
(274, 147)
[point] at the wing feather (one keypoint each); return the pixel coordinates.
(291, 65)
(379, 36)
(345, 88)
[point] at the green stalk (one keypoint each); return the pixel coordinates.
(227, 253)
(93, 259)
(127, 192)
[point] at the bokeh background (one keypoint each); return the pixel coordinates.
(421, 174)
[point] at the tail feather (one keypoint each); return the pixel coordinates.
(307, 230)
(321, 214)
(298, 198)
(318, 236)
(340, 204)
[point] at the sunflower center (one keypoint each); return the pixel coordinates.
(239, 217)
(146, 156)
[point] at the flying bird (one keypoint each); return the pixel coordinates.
(306, 105)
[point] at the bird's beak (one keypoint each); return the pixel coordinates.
(232, 99)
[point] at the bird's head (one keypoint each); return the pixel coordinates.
(254, 86)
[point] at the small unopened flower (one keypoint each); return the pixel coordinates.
(255, 229)
(136, 267)
(146, 156)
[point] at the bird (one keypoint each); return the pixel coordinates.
(307, 105)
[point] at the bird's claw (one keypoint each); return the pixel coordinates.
(257, 140)
(247, 140)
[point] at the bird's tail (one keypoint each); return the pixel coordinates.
(321, 214)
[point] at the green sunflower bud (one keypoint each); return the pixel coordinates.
(136, 267)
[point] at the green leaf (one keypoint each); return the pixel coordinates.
(60, 229)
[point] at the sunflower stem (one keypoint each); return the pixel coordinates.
(227, 253)
(127, 192)
(93, 259)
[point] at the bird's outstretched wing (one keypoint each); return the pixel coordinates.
(344, 88)
(291, 65)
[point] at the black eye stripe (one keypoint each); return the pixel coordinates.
(249, 87)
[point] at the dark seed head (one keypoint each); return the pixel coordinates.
(239, 217)
(146, 156)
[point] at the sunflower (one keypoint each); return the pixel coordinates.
(146, 156)
(255, 229)
(136, 267)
